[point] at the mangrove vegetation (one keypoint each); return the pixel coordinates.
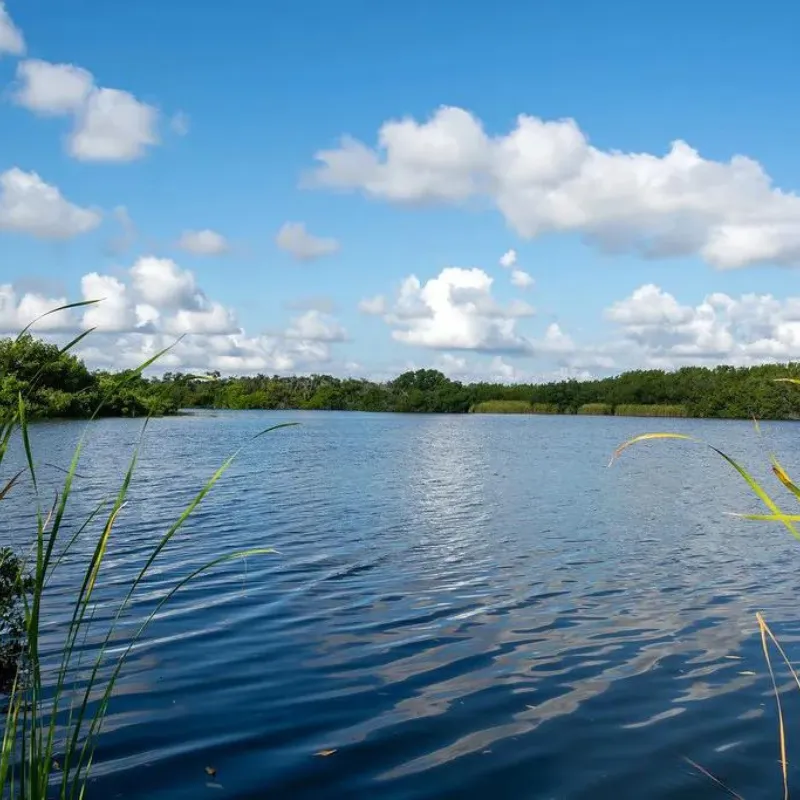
(57, 384)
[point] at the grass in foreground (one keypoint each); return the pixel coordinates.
(775, 515)
(55, 712)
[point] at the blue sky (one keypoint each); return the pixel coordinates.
(219, 114)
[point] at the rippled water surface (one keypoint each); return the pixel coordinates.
(461, 607)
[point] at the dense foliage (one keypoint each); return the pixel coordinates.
(725, 392)
(15, 585)
(59, 385)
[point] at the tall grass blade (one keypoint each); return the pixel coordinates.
(786, 519)
(714, 778)
(781, 727)
(10, 485)
(66, 307)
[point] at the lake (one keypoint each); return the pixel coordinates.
(461, 607)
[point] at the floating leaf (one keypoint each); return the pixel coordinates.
(325, 753)
(211, 772)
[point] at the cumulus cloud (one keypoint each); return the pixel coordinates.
(18, 311)
(211, 318)
(163, 284)
(11, 39)
(521, 279)
(149, 306)
(113, 126)
(29, 205)
(508, 259)
(296, 240)
(314, 326)
(545, 177)
(52, 89)
(661, 331)
(455, 311)
(113, 311)
(203, 243)
(109, 124)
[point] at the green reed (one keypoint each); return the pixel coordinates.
(649, 410)
(53, 718)
(775, 515)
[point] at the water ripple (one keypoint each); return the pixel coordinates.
(460, 607)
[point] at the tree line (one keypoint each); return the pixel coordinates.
(57, 384)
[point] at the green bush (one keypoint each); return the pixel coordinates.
(15, 587)
(631, 410)
(596, 408)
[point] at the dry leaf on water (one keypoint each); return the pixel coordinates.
(325, 753)
(211, 772)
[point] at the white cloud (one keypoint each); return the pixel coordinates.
(113, 126)
(648, 305)
(314, 326)
(456, 310)
(29, 205)
(163, 284)
(295, 239)
(113, 312)
(660, 331)
(148, 307)
(11, 39)
(17, 312)
(508, 259)
(521, 279)
(545, 177)
(214, 318)
(52, 89)
(203, 243)
(376, 306)
(109, 124)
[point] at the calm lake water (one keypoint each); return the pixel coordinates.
(461, 607)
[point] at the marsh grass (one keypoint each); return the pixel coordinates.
(596, 409)
(56, 707)
(649, 410)
(775, 515)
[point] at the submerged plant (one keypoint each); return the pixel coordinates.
(55, 709)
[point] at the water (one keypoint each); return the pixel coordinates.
(462, 607)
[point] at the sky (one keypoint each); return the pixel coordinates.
(516, 191)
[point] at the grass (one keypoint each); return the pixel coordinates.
(774, 515)
(54, 711)
(513, 407)
(502, 407)
(649, 410)
(599, 409)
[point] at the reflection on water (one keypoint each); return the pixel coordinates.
(461, 606)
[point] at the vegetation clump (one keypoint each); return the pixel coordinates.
(58, 384)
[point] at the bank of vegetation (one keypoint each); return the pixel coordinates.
(55, 383)
(58, 385)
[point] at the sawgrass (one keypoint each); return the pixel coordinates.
(649, 410)
(55, 710)
(502, 407)
(774, 515)
(599, 409)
